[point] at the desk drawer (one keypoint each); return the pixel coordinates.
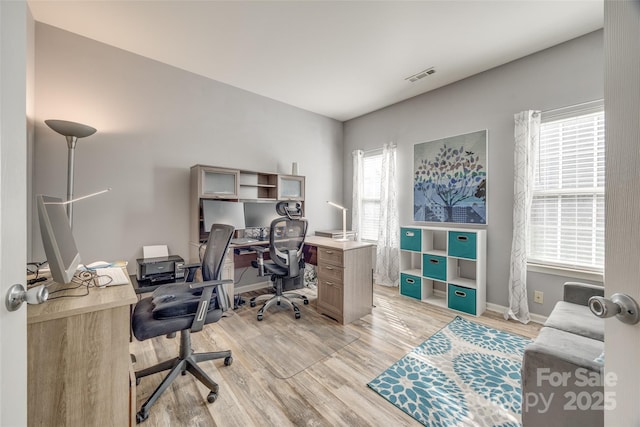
(330, 256)
(331, 272)
(330, 294)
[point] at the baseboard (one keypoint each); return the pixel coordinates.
(537, 318)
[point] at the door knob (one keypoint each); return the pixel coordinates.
(622, 306)
(17, 295)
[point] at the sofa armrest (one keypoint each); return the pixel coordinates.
(557, 367)
(579, 293)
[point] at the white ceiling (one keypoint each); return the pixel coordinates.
(341, 59)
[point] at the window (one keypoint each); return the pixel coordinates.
(567, 212)
(371, 177)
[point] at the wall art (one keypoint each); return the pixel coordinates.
(450, 179)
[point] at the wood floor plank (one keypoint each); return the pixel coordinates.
(327, 388)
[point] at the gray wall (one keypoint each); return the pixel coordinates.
(154, 121)
(567, 74)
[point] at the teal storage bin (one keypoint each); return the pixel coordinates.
(462, 244)
(411, 286)
(434, 267)
(461, 299)
(411, 239)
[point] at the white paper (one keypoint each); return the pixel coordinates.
(155, 251)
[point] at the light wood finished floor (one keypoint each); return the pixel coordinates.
(330, 392)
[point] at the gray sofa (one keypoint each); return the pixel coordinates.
(562, 369)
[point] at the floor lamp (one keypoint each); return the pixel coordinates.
(72, 131)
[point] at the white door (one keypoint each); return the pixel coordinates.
(13, 210)
(622, 252)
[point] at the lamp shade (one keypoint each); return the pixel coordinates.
(66, 128)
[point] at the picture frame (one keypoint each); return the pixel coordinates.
(450, 179)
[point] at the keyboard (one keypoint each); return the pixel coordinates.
(111, 276)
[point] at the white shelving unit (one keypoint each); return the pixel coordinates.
(444, 266)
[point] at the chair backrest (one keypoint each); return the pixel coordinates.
(217, 245)
(286, 242)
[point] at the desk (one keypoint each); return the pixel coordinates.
(241, 257)
(78, 371)
(345, 277)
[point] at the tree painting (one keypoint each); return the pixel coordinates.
(450, 179)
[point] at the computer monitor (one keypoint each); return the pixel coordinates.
(257, 215)
(57, 238)
(220, 212)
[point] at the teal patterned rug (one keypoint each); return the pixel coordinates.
(466, 374)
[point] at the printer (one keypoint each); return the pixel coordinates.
(159, 270)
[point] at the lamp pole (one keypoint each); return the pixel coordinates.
(71, 144)
(71, 131)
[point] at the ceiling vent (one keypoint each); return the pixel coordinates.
(421, 75)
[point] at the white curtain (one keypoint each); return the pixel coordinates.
(388, 247)
(527, 135)
(356, 203)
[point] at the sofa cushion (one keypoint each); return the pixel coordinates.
(576, 349)
(557, 366)
(576, 319)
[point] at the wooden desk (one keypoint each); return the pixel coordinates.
(345, 277)
(78, 371)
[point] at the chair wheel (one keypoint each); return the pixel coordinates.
(228, 361)
(211, 397)
(141, 416)
(252, 303)
(306, 302)
(297, 315)
(259, 316)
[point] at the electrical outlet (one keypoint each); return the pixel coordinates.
(538, 297)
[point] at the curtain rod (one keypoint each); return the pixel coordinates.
(378, 150)
(585, 105)
(372, 151)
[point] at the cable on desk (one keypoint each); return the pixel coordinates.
(97, 276)
(80, 279)
(33, 269)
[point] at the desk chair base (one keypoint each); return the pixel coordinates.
(277, 298)
(187, 361)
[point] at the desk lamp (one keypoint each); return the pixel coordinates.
(344, 221)
(72, 131)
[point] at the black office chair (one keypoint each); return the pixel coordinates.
(286, 241)
(186, 307)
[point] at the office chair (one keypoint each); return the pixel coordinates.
(286, 241)
(186, 308)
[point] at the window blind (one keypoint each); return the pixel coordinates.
(567, 212)
(372, 175)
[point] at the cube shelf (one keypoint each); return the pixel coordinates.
(444, 266)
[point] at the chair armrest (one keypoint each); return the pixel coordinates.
(260, 250)
(191, 271)
(205, 300)
(192, 265)
(209, 283)
(579, 293)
